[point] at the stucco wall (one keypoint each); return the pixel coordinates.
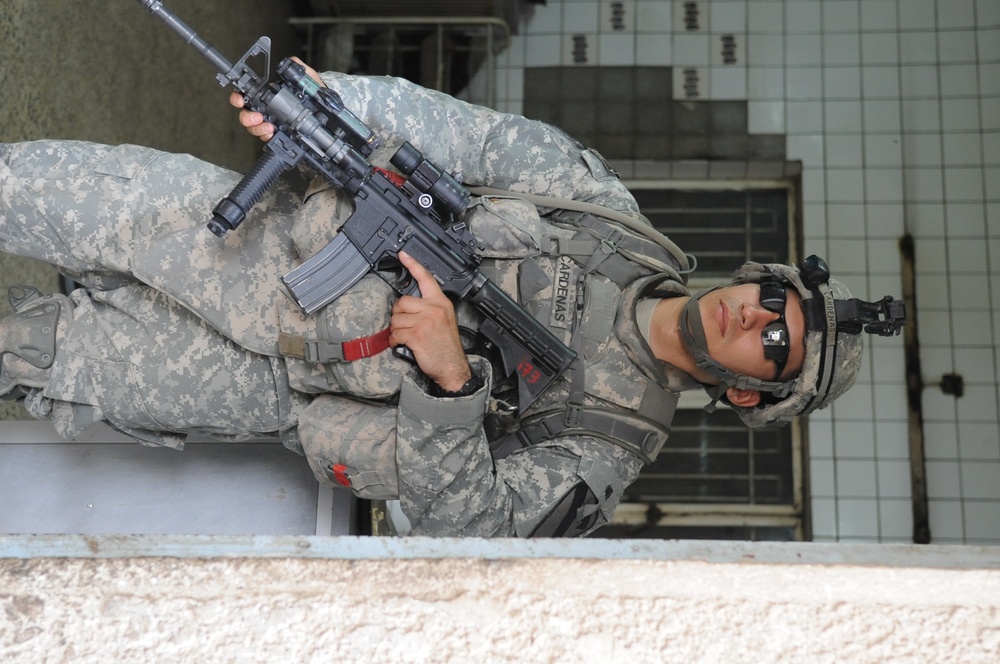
(328, 599)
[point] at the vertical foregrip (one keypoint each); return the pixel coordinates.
(545, 350)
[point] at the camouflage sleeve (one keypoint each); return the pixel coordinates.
(449, 484)
(485, 146)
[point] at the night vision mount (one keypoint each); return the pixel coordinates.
(884, 317)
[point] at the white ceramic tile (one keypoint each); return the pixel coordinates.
(691, 83)
(616, 50)
(979, 440)
(959, 114)
(968, 256)
(846, 220)
(653, 50)
(545, 20)
(973, 328)
(917, 14)
(982, 522)
(878, 15)
(858, 402)
(981, 480)
(840, 17)
(822, 477)
(857, 518)
(580, 50)
(581, 17)
(989, 78)
(728, 16)
(941, 441)
(842, 82)
(804, 117)
(616, 17)
(856, 478)
(845, 185)
(728, 51)
(842, 116)
(803, 17)
(766, 83)
(932, 261)
(765, 50)
(990, 114)
(891, 439)
(880, 82)
(813, 221)
(824, 518)
(922, 149)
(968, 219)
(883, 185)
(841, 49)
(895, 520)
(957, 46)
(917, 48)
(804, 83)
(879, 48)
(691, 50)
(963, 184)
(978, 403)
(886, 220)
(962, 149)
(852, 439)
(883, 150)
(765, 117)
(801, 51)
(653, 16)
(843, 257)
(988, 42)
(918, 81)
(844, 150)
(893, 479)
(808, 149)
(882, 115)
(820, 439)
(946, 521)
(956, 14)
(976, 366)
(542, 51)
(690, 17)
(925, 185)
(814, 189)
(943, 479)
(988, 12)
(765, 16)
(921, 114)
(991, 148)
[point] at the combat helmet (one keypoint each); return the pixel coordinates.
(834, 343)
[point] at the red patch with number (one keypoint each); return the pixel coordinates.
(340, 475)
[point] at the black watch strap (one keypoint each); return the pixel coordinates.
(471, 387)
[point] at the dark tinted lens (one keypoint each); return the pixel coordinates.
(772, 296)
(775, 335)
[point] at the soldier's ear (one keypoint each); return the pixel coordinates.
(743, 398)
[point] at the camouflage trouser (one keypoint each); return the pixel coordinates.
(133, 356)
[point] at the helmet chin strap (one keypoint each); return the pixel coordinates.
(693, 334)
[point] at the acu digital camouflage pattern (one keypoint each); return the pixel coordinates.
(176, 331)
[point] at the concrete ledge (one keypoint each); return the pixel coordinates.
(292, 599)
(373, 548)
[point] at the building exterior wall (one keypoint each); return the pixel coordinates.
(893, 108)
(415, 600)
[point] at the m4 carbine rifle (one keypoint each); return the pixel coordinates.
(420, 215)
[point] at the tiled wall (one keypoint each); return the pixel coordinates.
(893, 107)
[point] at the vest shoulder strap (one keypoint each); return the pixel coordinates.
(643, 433)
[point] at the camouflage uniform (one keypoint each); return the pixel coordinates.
(177, 332)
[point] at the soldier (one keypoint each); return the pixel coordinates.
(175, 332)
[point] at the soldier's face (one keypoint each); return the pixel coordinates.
(735, 323)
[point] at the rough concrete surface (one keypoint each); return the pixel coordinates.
(476, 610)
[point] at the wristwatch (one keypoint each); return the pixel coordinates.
(471, 387)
